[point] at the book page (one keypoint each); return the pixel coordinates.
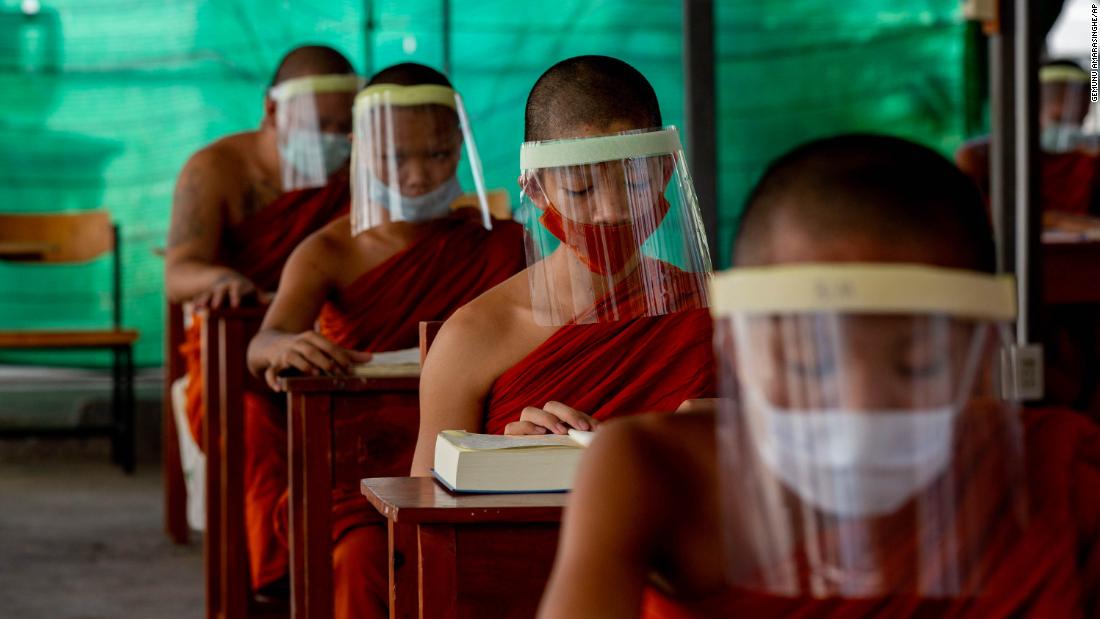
(395, 357)
(389, 364)
(488, 442)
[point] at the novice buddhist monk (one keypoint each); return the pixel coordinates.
(366, 281)
(242, 204)
(865, 461)
(608, 317)
(1068, 162)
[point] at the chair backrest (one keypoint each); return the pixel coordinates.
(428, 330)
(62, 237)
(500, 204)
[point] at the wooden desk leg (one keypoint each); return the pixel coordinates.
(175, 490)
(213, 537)
(438, 587)
(230, 413)
(311, 506)
(404, 597)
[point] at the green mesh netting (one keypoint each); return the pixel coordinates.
(102, 101)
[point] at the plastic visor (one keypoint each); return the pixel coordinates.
(313, 121)
(407, 153)
(613, 229)
(1065, 100)
(865, 446)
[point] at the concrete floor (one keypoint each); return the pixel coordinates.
(81, 540)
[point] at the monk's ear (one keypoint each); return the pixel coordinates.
(529, 183)
(269, 113)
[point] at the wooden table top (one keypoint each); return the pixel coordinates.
(423, 500)
(305, 384)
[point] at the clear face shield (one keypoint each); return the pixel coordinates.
(408, 146)
(865, 446)
(613, 229)
(1065, 104)
(312, 123)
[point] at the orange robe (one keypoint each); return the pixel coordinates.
(1051, 570)
(455, 260)
(257, 248)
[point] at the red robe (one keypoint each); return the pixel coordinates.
(454, 260)
(609, 369)
(257, 248)
(1070, 183)
(1049, 571)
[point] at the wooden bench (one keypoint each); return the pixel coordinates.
(70, 239)
(465, 555)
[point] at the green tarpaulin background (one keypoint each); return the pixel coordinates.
(102, 101)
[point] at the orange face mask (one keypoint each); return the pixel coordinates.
(604, 249)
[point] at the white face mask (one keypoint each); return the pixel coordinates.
(311, 152)
(1061, 137)
(854, 463)
(432, 205)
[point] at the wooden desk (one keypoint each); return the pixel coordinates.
(24, 250)
(465, 555)
(320, 457)
(1071, 273)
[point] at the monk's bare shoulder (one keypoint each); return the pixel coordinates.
(489, 334)
(326, 252)
(673, 458)
(208, 193)
(672, 447)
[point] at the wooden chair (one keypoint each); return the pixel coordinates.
(315, 403)
(226, 333)
(66, 239)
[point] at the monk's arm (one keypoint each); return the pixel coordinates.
(610, 533)
(453, 384)
(198, 211)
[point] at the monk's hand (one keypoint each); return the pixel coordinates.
(231, 288)
(312, 354)
(554, 418)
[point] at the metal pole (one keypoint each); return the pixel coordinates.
(1028, 215)
(447, 37)
(368, 43)
(699, 111)
(1002, 139)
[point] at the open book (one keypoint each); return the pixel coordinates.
(466, 462)
(395, 363)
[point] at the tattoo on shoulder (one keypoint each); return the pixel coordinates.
(187, 206)
(257, 196)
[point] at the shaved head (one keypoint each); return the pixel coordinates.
(409, 74)
(867, 198)
(311, 60)
(584, 93)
